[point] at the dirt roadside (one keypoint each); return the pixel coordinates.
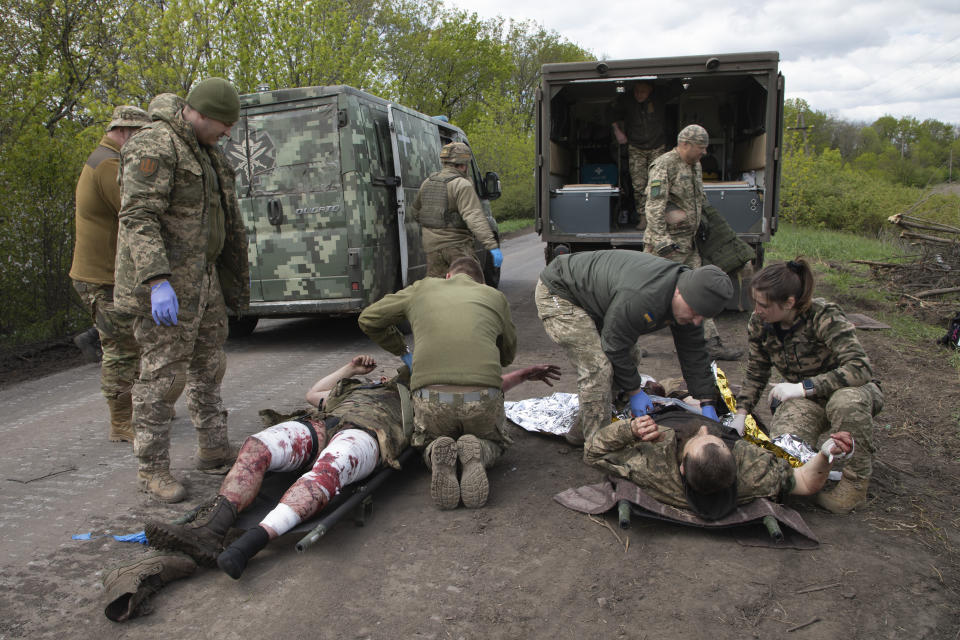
(524, 567)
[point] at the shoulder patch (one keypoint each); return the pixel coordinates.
(648, 318)
(655, 188)
(148, 165)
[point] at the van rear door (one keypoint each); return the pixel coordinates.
(294, 207)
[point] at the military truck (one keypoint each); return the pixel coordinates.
(585, 198)
(325, 178)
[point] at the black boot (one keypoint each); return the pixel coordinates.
(202, 539)
(234, 558)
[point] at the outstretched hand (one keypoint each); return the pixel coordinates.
(543, 372)
(363, 364)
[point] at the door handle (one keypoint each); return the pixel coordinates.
(275, 212)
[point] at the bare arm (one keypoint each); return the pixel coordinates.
(811, 477)
(544, 372)
(359, 365)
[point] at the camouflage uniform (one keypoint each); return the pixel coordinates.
(675, 200)
(821, 346)
(449, 212)
(639, 162)
(456, 413)
(179, 220)
(655, 466)
(596, 305)
(98, 201)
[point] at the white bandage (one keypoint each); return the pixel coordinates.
(354, 453)
(840, 457)
(281, 519)
(290, 445)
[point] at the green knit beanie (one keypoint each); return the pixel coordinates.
(215, 98)
(705, 289)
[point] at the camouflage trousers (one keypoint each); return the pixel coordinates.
(121, 355)
(449, 413)
(688, 255)
(438, 260)
(848, 409)
(188, 355)
(573, 329)
(640, 160)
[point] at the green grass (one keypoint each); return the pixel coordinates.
(830, 253)
(516, 224)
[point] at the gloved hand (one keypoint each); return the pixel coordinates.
(164, 305)
(709, 411)
(497, 257)
(640, 404)
(408, 360)
(839, 446)
(786, 391)
(738, 423)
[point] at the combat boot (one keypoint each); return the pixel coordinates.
(444, 487)
(717, 351)
(121, 415)
(201, 539)
(217, 460)
(161, 485)
(89, 344)
(850, 493)
(474, 486)
(128, 587)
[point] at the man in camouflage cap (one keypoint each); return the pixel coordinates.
(450, 215)
(182, 260)
(94, 253)
(675, 201)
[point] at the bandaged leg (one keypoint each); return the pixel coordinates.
(283, 447)
(351, 455)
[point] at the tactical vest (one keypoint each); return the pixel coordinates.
(435, 212)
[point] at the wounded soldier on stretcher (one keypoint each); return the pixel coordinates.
(689, 462)
(357, 426)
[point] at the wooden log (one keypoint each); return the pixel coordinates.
(934, 239)
(936, 292)
(942, 228)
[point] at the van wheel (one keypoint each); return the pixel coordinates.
(242, 327)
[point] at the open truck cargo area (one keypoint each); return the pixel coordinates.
(585, 198)
(325, 180)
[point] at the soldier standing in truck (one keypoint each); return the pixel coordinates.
(675, 201)
(640, 123)
(450, 214)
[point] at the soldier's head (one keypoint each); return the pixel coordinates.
(212, 108)
(782, 290)
(642, 90)
(468, 266)
(700, 293)
(709, 473)
(125, 120)
(455, 153)
(692, 143)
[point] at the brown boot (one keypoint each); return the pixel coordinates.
(161, 485)
(201, 539)
(717, 351)
(217, 460)
(121, 414)
(444, 487)
(129, 586)
(850, 493)
(474, 486)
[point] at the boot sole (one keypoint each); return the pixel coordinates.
(164, 536)
(474, 486)
(444, 488)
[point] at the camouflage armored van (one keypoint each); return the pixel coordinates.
(325, 177)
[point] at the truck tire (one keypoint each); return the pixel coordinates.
(242, 327)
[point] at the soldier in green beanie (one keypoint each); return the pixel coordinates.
(182, 260)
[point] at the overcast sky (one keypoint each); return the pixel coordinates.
(857, 60)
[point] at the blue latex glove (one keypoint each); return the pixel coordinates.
(164, 304)
(497, 257)
(408, 360)
(640, 404)
(709, 411)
